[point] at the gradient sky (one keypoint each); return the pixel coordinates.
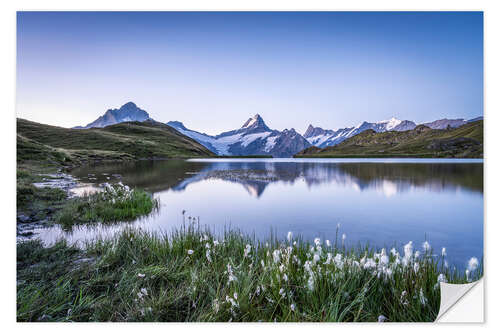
(214, 70)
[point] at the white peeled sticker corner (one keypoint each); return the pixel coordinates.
(462, 303)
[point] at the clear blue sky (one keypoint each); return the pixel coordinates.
(214, 70)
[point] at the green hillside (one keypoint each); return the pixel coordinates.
(464, 141)
(125, 141)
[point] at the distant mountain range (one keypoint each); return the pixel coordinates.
(256, 138)
(253, 138)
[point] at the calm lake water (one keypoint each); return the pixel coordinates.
(383, 202)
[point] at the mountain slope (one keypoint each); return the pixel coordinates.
(323, 138)
(464, 141)
(453, 123)
(127, 112)
(130, 140)
(253, 138)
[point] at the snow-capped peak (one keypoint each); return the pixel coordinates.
(391, 123)
(252, 121)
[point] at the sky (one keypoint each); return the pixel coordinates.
(214, 70)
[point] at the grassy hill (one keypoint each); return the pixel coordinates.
(125, 141)
(464, 141)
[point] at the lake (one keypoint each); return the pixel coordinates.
(382, 202)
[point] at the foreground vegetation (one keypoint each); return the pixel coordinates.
(190, 275)
(465, 141)
(116, 203)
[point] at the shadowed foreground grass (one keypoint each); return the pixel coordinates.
(191, 276)
(115, 203)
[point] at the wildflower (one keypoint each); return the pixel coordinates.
(467, 275)
(328, 258)
(394, 252)
(307, 266)
(338, 261)
(370, 263)
(292, 307)
(384, 259)
(282, 268)
(328, 244)
(426, 246)
(381, 318)
(285, 277)
(310, 283)
(408, 248)
(190, 252)
(216, 242)
(315, 258)
(248, 248)
(282, 292)
(141, 275)
(417, 254)
(416, 266)
(473, 264)
(441, 278)
(423, 300)
(294, 243)
(317, 241)
(443, 252)
(262, 263)
(235, 295)
(207, 254)
(257, 291)
(276, 256)
(230, 273)
(289, 236)
(215, 305)
(403, 299)
(343, 238)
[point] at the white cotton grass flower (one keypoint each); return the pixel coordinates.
(426, 246)
(343, 239)
(416, 267)
(292, 307)
(338, 261)
(207, 255)
(423, 299)
(467, 275)
(316, 258)
(289, 236)
(310, 283)
(285, 277)
(248, 248)
(443, 252)
(190, 252)
(408, 248)
(382, 318)
(473, 264)
(417, 254)
(276, 256)
(328, 244)
(441, 278)
(282, 292)
(317, 241)
(370, 263)
(141, 275)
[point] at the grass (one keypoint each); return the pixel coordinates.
(190, 275)
(116, 203)
(422, 142)
(120, 142)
